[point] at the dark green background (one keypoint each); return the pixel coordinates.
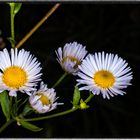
(110, 27)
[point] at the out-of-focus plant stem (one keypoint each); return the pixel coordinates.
(89, 98)
(53, 115)
(6, 125)
(60, 80)
(12, 25)
(74, 108)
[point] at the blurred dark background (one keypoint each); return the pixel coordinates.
(101, 26)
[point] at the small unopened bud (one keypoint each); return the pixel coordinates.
(83, 105)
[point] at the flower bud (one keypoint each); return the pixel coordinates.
(83, 105)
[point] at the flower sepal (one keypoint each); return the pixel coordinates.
(28, 125)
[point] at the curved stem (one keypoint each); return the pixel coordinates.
(6, 125)
(53, 115)
(60, 79)
(61, 113)
(38, 24)
(89, 98)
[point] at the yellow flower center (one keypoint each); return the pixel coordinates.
(14, 77)
(73, 59)
(104, 79)
(45, 100)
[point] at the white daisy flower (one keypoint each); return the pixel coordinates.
(20, 71)
(43, 100)
(104, 73)
(71, 56)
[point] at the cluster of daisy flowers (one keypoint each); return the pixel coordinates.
(21, 71)
(100, 73)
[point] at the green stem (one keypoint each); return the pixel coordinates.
(22, 103)
(12, 25)
(61, 113)
(60, 79)
(89, 98)
(53, 115)
(6, 125)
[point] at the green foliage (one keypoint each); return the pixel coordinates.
(29, 126)
(14, 109)
(91, 95)
(27, 109)
(11, 40)
(16, 7)
(76, 96)
(5, 104)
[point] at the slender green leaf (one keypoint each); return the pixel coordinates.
(19, 100)
(12, 4)
(23, 102)
(5, 104)
(17, 7)
(76, 96)
(29, 126)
